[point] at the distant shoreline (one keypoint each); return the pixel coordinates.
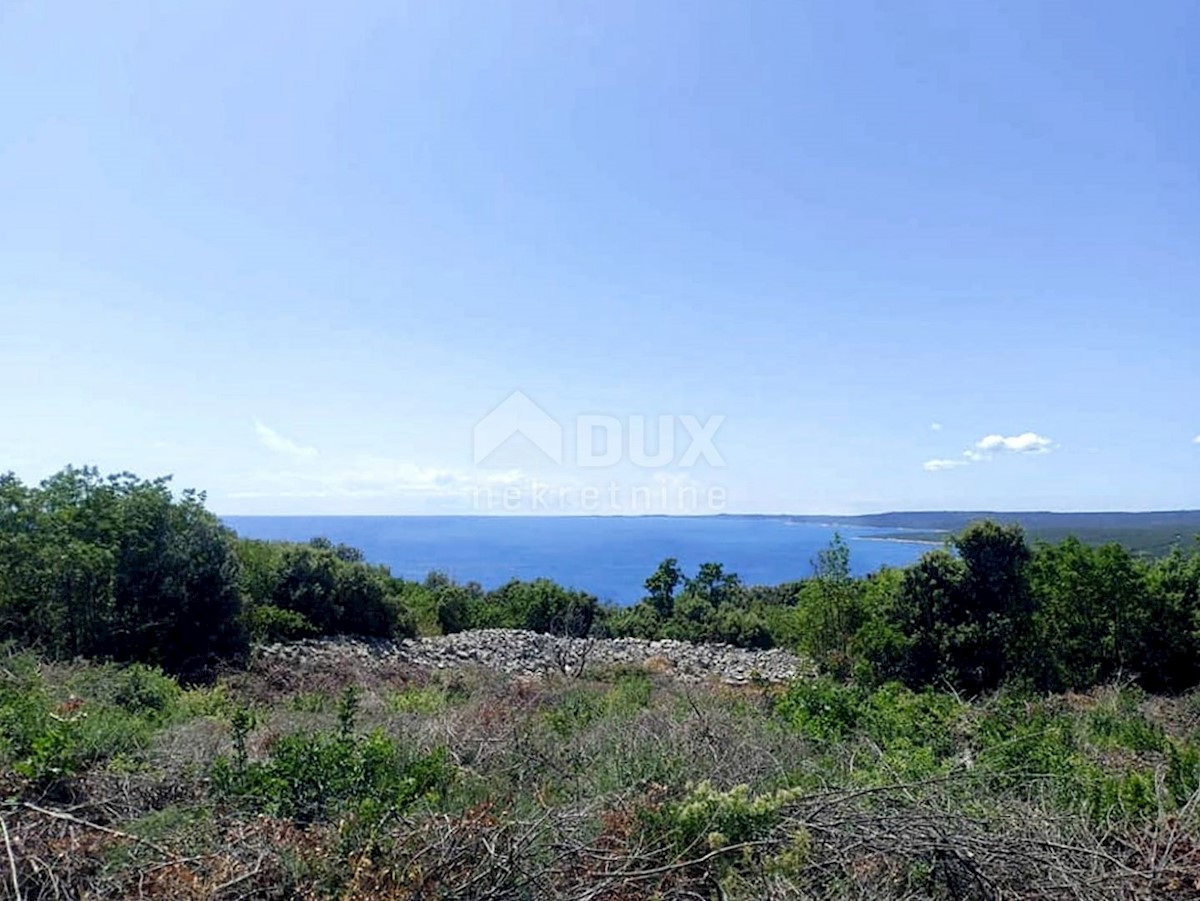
(898, 540)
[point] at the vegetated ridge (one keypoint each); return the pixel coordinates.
(1143, 532)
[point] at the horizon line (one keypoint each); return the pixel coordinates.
(728, 515)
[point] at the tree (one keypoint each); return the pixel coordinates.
(1169, 655)
(118, 567)
(877, 647)
(336, 592)
(930, 614)
(967, 619)
(829, 611)
(452, 603)
(366, 604)
(307, 584)
(557, 610)
(662, 586)
(638, 621)
(999, 616)
(1090, 606)
(713, 585)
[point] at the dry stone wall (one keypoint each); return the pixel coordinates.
(536, 654)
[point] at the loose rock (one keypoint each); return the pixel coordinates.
(524, 653)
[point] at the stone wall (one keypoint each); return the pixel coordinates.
(535, 654)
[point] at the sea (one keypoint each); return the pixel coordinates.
(607, 556)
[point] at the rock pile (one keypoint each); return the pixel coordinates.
(535, 654)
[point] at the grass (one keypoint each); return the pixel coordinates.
(373, 783)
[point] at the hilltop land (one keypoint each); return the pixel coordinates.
(185, 714)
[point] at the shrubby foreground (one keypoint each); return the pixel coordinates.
(318, 778)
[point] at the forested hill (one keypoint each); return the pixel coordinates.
(1153, 533)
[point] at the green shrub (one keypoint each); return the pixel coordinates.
(311, 702)
(308, 777)
(740, 627)
(135, 688)
(1118, 729)
(118, 568)
(296, 590)
(638, 621)
(24, 707)
(897, 719)
(540, 606)
(1123, 797)
(425, 699)
(50, 733)
(708, 819)
(581, 705)
(630, 693)
(1020, 737)
(1183, 771)
(821, 708)
(268, 623)
(201, 700)
(574, 711)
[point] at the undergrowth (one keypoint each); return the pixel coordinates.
(624, 785)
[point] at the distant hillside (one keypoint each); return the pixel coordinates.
(1151, 533)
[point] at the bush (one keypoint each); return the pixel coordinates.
(898, 719)
(581, 705)
(308, 777)
(708, 819)
(821, 709)
(1019, 736)
(297, 590)
(540, 606)
(1119, 723)
(49, 733)
(425, 699)
(268, 623)
(1183, 772)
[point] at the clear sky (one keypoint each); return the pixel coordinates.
(916, 255)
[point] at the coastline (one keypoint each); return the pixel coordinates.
(928, 542)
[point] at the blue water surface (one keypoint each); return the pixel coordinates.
(607, 556)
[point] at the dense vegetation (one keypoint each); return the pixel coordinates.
(986, 610)
(983, 726)
(117, 568)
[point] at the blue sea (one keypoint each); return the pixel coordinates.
(607, 556)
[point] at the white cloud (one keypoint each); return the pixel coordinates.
(1196, 440)
(381, 482)
(988, 446)
(271, 439)
(935, 426)
(1025, 443)
(941, 465)
(374, 477)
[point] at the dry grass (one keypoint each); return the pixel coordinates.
(563, 787)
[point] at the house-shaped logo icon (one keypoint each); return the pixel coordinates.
(518, 415)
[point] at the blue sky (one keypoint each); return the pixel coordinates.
(899, 256)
